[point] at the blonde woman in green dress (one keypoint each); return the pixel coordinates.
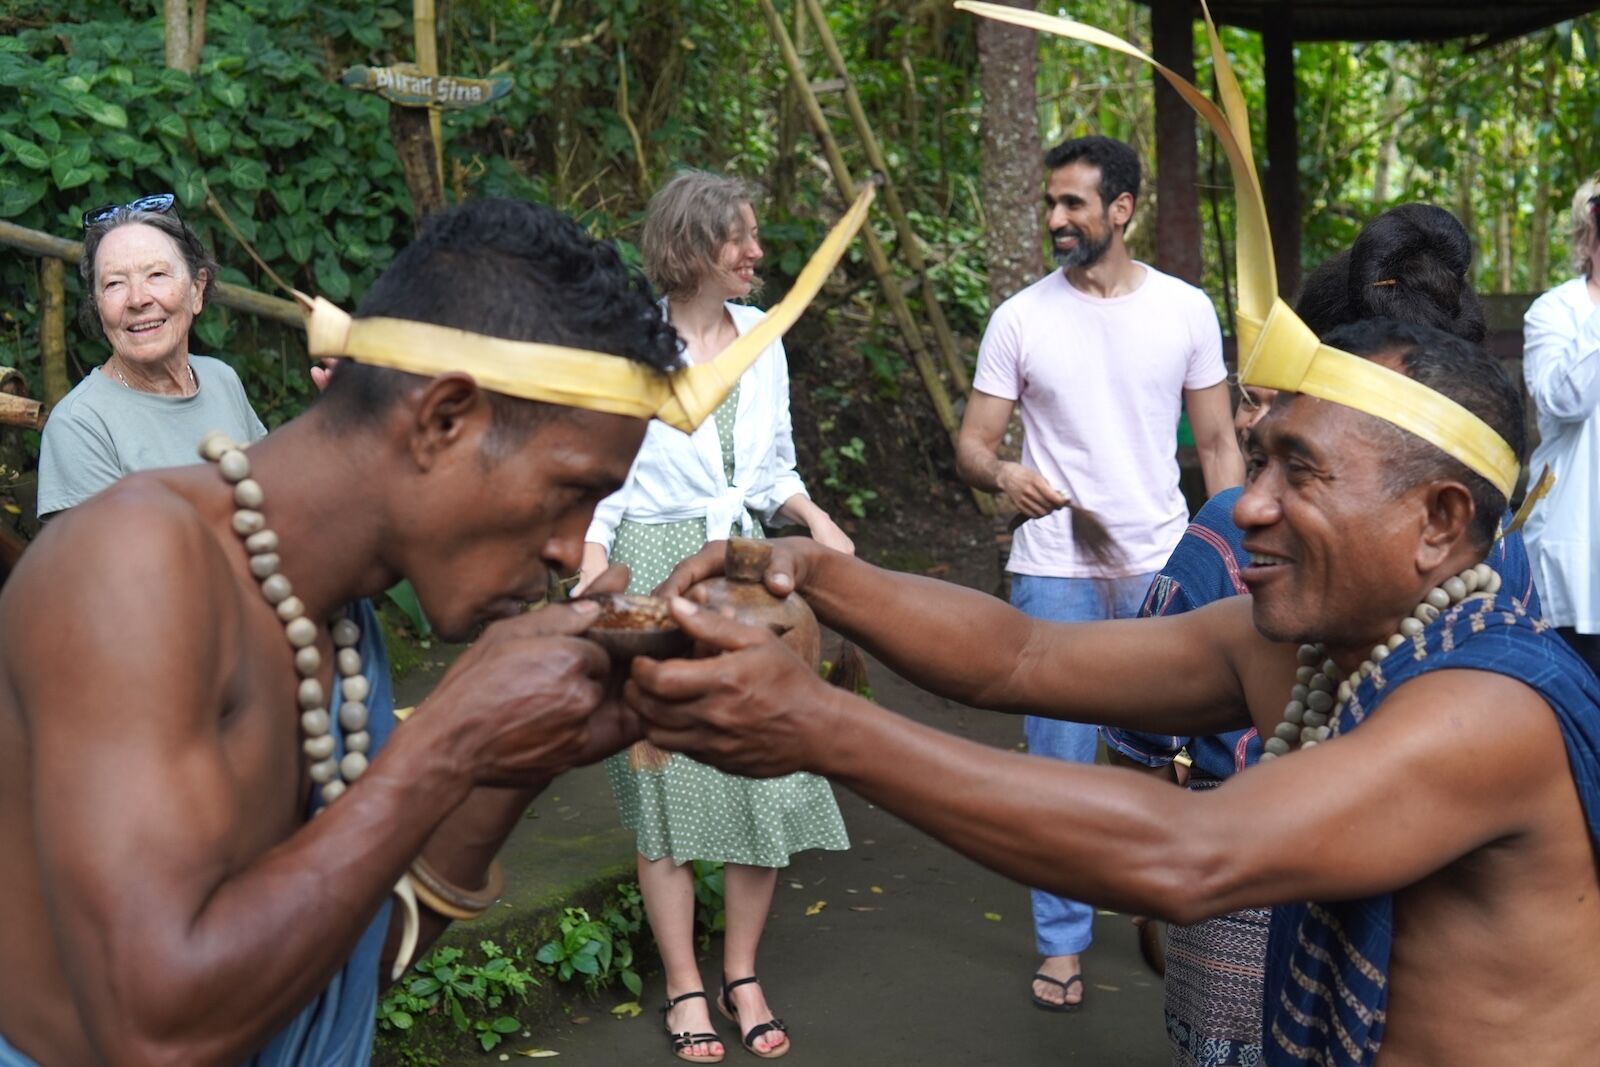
(701, 248)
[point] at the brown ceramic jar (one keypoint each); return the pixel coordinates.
(743, 590)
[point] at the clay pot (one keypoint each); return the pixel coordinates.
(631, 626)
(742, 590)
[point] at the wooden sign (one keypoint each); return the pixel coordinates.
(405, 84)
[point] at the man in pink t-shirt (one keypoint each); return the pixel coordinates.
(1102, 355)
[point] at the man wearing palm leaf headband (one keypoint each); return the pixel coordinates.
(174, 712)
(1426, 827)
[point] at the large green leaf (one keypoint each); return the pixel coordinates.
(102, 111)
(18, 196)
(46, 128)
(171, 124)
(68, 175)
(211, 137)
(298, 247)
(246, 174)
(27, 153)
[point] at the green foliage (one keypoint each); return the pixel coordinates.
(402, 596)
(841, 476)
(599, 950)
(302, 166)
(710, 911)
(473, 996)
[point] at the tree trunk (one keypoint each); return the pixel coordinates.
(181, 53)
(789, 126)
(53, 330)
(1389, 148)
(1539, 225)
(1502, 249)
(1010, 174)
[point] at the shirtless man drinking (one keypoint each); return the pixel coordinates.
(1443, 824)
(168, 897)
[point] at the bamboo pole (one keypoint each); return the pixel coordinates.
(427, 47)
(227, 294)
(875, 255)
(20, 411)
(53, 330)
(909, 245)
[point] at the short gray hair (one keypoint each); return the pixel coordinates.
(685, 226)
(196, 257)
(1581, 235)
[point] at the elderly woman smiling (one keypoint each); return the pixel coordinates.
(146, 276)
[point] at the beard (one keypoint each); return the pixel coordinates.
(1083, 253)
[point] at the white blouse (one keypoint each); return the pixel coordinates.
(1561, 365)
(679, 476)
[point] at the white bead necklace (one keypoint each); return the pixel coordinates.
(1315, 700)
(331, 775)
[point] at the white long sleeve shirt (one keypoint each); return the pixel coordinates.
(1561, 365)
(679, 476)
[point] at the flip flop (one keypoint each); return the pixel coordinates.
(1046, 1005)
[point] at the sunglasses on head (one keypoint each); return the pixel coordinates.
(159, 203)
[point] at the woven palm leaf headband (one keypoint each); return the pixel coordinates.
(1276, 349)
(574, 377)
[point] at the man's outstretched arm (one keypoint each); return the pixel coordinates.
(1364, 814)
(1166, 675)
(193, 923)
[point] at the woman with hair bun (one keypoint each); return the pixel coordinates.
(1561, 367)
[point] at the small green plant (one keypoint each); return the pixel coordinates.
(471, 995)
(601, 950)
(840, 477)
(709, 912)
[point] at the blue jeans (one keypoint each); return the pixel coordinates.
(1065, 927)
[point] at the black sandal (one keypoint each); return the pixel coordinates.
(682, 1042)
(775, 1025)
(1066, 987)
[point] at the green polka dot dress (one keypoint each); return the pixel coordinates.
(687, 810)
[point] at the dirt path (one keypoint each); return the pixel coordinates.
(932, 971)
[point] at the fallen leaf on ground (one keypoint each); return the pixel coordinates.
(579, 1021)
(538, 1053)
(816, 909)
(993, 916)
(627, 1010)
(877, 889)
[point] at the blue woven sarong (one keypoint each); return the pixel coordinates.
(335, 1029)
(1327, 964)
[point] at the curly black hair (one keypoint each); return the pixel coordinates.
(511, 269)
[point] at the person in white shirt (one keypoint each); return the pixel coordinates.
(1102, 356)
(1561, 366)
(701, 248)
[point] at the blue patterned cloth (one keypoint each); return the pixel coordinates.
(335, 1029)
(1327, 964)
